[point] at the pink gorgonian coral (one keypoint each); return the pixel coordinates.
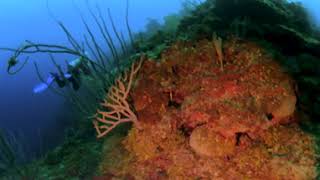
(116, 107)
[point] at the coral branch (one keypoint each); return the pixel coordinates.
(116, 104)
(217, 41)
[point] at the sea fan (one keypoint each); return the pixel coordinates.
(116, 103)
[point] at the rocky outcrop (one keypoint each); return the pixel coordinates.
(201, 121)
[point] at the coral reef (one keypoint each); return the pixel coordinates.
(238, 106)
(282, 27)
(201, 122)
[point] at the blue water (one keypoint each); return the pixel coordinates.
(313, 7)
(42, 118)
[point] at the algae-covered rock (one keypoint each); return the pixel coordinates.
(285, 24)
(214, 123)
(201, 121)
(285, 108)
(262, 11)
(208, 143)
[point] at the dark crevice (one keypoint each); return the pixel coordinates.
(175, 70)
(174, 104)
(186, 131)
(269, 116)
(238, 136)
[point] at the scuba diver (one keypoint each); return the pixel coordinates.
(73, 76)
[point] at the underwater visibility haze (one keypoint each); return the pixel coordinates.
(180, 89)
(42, 117)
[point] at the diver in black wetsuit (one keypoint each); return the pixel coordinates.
(75, 68)
(73, 76)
